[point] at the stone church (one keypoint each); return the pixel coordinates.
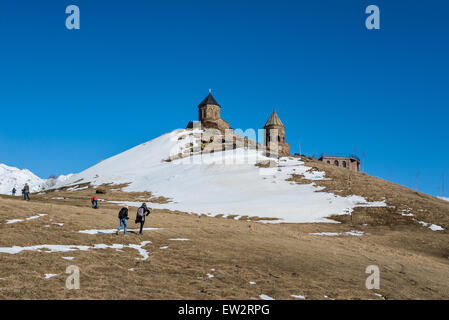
(209, 115)
(210, 118)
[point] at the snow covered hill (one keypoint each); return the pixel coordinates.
(444, 198)
(11, 177)
(225, 182)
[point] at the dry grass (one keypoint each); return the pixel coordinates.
(282, 259)
(399, 198)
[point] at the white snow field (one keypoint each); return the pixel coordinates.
(11, 177)
(444, 198)
(224, 182)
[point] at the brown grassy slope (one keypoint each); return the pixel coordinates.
(399, 198)
(282, 259)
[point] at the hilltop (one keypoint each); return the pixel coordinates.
(195, 176)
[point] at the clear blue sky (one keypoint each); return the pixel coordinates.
(137, 69)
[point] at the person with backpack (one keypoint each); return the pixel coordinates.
(142, 212)
(14, 191)
(94, 201)
(26, 192)
(123, 216)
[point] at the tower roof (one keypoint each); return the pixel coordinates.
(209, 100)
(274, 120)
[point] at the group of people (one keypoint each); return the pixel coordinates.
(142, 212)
(25, 192)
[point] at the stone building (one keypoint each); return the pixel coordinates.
(349, 161)
(209, 115)
(275, 137)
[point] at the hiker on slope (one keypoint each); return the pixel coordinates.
(142, 212)
(26, 192)
(14, 191)
(123, 216)
(94, 201)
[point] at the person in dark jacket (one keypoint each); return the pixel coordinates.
(14, 191)
(26, 192)
(142, 212)
(123, 216)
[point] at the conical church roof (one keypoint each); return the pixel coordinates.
(209, 100)
(274, 120)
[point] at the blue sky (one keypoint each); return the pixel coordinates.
(137, 69)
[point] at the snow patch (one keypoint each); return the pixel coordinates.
(355, 233)
(431, 226)
(29, 218)
(67, 248)
(111, 231)
(13, 221)
(77, 189)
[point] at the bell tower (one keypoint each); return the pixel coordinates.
(275, 137)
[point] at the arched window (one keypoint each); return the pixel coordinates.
(336, 163)
(279, 139)
(328, 162)
(344, 164)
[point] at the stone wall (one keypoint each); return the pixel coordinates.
(351, 164)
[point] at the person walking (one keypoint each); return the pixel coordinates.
(26, 192)
(14, 191)
(94, 201)
(123, 216)
(142, 212)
